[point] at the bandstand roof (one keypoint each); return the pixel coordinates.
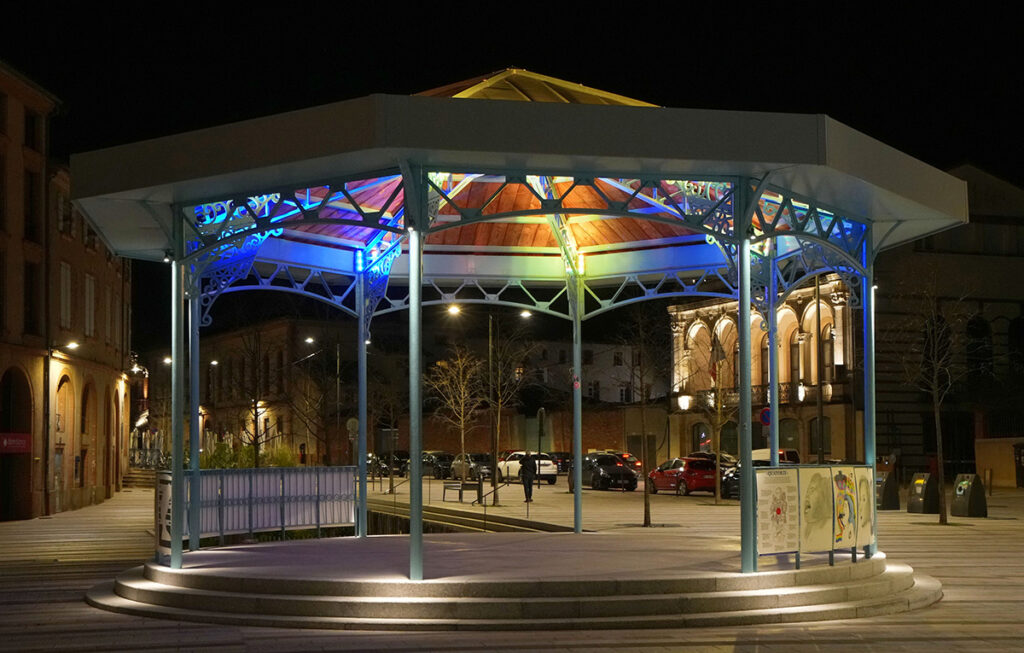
(535, 167)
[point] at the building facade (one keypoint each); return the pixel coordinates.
(64, 315)
(283, 386)
(967, 278)
(705, 374)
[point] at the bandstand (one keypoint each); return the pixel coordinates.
(514, 189)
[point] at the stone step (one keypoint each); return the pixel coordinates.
(618, 613)
(135, 587)
(683, 583)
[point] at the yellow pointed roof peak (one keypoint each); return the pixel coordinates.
(521, 85)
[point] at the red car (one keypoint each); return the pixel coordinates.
(683, 475)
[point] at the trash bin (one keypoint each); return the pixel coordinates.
(969, 497)
(1018, 463)
(924, 495)
(887, 492)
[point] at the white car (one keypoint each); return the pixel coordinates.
(547, 469)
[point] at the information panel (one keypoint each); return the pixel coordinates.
(844, 493)
(816, 509)
(778, 510)
(163, 517)
(865, 506)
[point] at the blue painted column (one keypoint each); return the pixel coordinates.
(773, 359)
(195, 483)
(177, 396)
(576, 309)
(361, 356)
(748, 527)
(868, 303)
(415, 405)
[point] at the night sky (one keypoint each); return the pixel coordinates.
(942, 88)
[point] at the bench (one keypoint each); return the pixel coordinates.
(460, 487)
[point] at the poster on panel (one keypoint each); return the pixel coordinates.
(815, 509)
(162, 529)
(844, 492)
(865, 506)
(778, 512)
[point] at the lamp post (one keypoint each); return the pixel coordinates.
(493, 388)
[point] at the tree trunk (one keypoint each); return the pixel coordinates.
(939, 454)
(645, 452)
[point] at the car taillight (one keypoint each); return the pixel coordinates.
(618, 464)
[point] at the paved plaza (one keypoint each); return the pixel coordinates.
(46, 565)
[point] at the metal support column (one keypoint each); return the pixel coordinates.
(748, 533)
(868, 303)
(361, 307)
(415, 406)
(575, 309)
(177, 396)
(195, 487)
(773, 360)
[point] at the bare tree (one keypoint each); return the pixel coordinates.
(930, 336)
(506, 377)
(457, 387)
(646, 333)
(320, 394)
(255, 380)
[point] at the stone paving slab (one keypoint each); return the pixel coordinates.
(46, 565)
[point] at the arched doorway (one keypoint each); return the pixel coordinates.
(64, 442)
(15, 446)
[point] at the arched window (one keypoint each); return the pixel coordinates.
(730, 438)
(828, 358)
(795, 371)
(700, 437)
(764, 361)
(825, 434)
(789, 434)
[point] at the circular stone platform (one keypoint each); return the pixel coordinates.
(501, 581)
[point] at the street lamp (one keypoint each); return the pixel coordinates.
(454, 309)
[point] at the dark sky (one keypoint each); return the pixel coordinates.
(942, 88)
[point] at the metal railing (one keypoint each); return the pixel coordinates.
(789, 393)
(240, 501)
(147, 458)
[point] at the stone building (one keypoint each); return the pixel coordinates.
(64, 315)
(704, 374)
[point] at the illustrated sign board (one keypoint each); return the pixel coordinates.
(162, 528)
(844, 517)
(778, 510)
(816, 509)
(865, 506)
(15, 443)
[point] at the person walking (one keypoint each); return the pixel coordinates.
(528, 474)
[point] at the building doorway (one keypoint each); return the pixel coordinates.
(15, 446)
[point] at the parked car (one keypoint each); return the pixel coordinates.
(509, 468)
(787, 455)
(386, 463)
(628, 459)
(603, 471)
(426, 462)
(563, 459)
(471, 466)
(731, 477)
(725, 459)
(442, 464)
(683, 475)
(397, 460)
